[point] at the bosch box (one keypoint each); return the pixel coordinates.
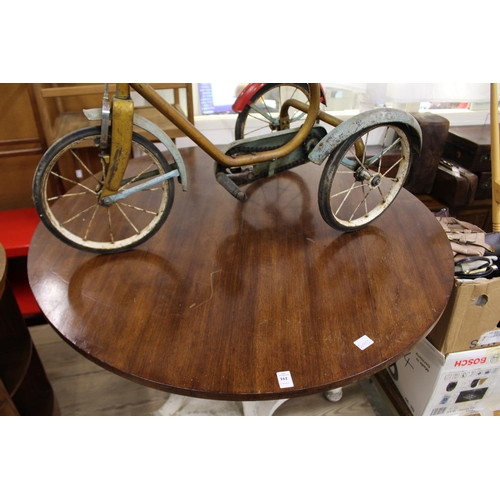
(460, 383)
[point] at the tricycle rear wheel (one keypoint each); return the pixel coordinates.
(356, 189)
(269, 100)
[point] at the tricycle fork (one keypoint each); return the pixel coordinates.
(121, 139)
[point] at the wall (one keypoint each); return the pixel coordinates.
(17, 161)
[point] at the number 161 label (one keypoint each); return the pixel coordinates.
(284, 379)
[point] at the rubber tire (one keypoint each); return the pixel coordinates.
(330, 169)
(79, 135)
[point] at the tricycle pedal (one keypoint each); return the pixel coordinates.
(231, 187)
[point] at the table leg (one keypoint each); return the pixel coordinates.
(173, 404)
(261, 408)
(334, 395)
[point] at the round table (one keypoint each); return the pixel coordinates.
(250, 302)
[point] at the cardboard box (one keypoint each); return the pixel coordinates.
(462, 383)
(471, 319)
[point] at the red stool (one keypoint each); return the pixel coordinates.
(16, 230)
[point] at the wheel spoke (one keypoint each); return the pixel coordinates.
(267, 115)
(265, 127)
(378, 157)
(390, 168)
(68, 195)
(84, 166)
(125, 215)
(133, 179)
(139, 209)
(90, 223)
(110, 226)
(359, 204)
(348, 191)
(264, 119)
(294, 116)
(352, 188)
(72, 181)
(352, 152)
(78, 215)
(268, 111)
(379, 189)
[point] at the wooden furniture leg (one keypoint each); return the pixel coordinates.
(334, 395)
(24, 387)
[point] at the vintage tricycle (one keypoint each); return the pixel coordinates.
(127, 198)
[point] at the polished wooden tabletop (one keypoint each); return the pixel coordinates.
(228, 295)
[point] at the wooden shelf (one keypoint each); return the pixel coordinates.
(60, 107)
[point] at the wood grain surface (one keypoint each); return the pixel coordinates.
(226, 295)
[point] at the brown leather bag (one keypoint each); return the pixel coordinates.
(470, 146)
(484, 186)
(424, 167)
(454, 185)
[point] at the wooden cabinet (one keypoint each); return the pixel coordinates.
(22, 144)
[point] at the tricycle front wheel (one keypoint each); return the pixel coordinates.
(67, 186)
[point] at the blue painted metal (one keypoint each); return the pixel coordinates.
(122, 194)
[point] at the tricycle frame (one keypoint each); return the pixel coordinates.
(245, 160)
